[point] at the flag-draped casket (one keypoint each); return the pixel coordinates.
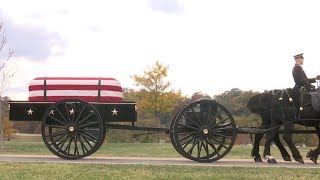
(91, 89)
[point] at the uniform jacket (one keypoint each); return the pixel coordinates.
(301, 79)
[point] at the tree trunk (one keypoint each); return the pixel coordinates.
(1, 124)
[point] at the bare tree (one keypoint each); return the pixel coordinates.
(6, 73)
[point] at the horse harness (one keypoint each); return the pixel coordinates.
(303, 101)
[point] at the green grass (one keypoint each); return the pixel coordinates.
(99, 171)
(135, 150)
(18, 170)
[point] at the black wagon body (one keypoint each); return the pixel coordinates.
(202, 131)
(111, 112)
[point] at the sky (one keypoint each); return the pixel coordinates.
(210, 46)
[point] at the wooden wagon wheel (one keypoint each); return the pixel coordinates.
(72, 129)
(203, 131)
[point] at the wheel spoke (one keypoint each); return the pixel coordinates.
(230, 129)
(215, 117)
(85, 139)
(76, 149)
(195, 115)
(213, 146)
(193, 145)
(56, 126)
(191, 120)
(185, 144)
(189, 127)
(185, 141)
(67, 110)
(74, 113)
(205, 146)
(83, 120)
(67, 149)
(209, 114)
(88, 124)
(221, 135)
(90, 130)
(80, 114)
(184, 133)
(199, 148)
(220, 122)
(57, 120)
(215, 139)
(56, 134)
(92, 137)
(58, 139)
(84, 148)
(61, 144)
(185, 137)
(64, 118)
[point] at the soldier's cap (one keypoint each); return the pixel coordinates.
(298, 56)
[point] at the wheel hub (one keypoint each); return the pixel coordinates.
(205, 131)
(71, 128)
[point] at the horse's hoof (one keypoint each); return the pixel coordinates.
(287, 158)
(309, 153)
(314, 159)
(257, 159)
(300, 160)
(272, 161)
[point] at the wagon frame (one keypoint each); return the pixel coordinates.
(203, 131)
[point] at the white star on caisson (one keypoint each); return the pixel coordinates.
(30, 111)
(51, 112)
(71, 111)
(114, 112)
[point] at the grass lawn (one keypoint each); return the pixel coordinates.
(18, 170)
(135, 150)
(99, 171)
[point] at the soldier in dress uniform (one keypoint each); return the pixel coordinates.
(300, 77)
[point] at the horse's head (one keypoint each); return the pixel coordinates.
(262, 102)
(259, 103)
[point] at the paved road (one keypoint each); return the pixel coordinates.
(153, 161)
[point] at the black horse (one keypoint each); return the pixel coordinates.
(260, 104)
(288, 107)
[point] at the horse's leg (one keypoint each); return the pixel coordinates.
(257, 139)
(266, 153)
(283, 151)
(313, 154)
(287, 136)
(255, 150)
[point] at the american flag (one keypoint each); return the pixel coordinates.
(91, 89)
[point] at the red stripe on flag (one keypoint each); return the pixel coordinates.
(74, 78)
(85, 98)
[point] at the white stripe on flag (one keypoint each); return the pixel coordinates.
(75, 93)
(75, 82)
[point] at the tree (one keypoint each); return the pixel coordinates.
(154, 95)
(5, 73)
(235, 101)
(196, 96)
(8, 128)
